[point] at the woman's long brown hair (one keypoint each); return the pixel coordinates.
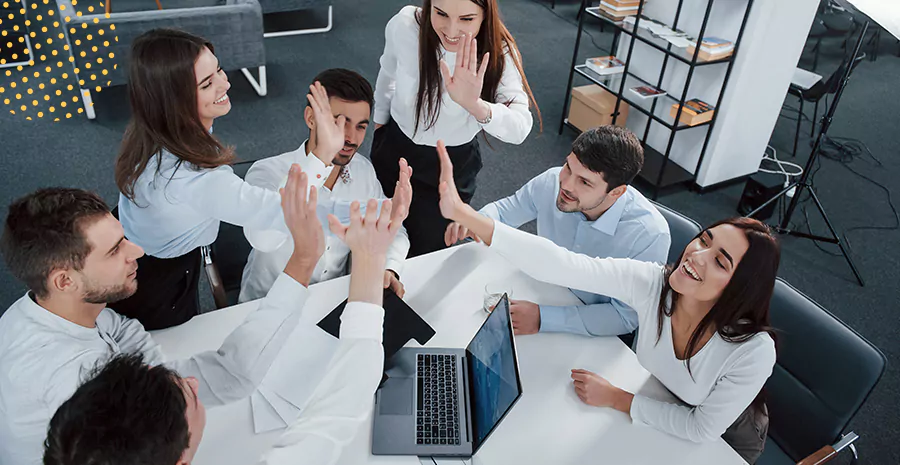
(743, 308)
(493, 37)
(162, 90)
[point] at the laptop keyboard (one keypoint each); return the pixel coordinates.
(437, 407)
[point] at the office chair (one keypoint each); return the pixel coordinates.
(825, 371)
(815, 93)
(682, 230)
(224, 259)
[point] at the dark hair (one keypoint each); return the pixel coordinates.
(346, 85)
(743, 308)
(44, 231)
(162, 90)
(612, 151)
(493, 37)
(127, 412)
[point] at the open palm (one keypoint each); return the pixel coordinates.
(465, 85)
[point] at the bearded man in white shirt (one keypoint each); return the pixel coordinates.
(351, 178)
(135, 414)
(74, 257)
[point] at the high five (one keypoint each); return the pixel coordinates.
(450, 70)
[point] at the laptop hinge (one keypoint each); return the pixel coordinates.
(467, 406)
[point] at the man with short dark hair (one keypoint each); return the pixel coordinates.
(133, 414)
(351, 178)
(586, 206)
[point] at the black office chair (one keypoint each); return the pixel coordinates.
(224, 259)
(815, 93)
(824, 373)
(681, 229)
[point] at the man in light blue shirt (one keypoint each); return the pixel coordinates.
(586, 206)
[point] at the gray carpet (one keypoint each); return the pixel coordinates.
(80, 153)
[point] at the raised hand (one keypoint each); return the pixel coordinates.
(451, 204)
(329, 130)
(301, 220)
(403, 189)
(465, 85)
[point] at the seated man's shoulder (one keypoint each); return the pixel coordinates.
(274, 164)
(644, 212)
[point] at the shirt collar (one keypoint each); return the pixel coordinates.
(32, 310)
(344, 176)
(609, 220)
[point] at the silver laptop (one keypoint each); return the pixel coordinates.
(446, 402)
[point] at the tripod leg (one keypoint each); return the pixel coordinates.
(840, 244)
(797, 133)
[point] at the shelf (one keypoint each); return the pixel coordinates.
(658, 112)
(653, 161)
(645, 36)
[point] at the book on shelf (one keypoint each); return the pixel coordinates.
(695, 112)
(705, 55)
(605, 66)
(711, 43)
(623, 3)
(620, 7)
(614, 14)
(647, 92)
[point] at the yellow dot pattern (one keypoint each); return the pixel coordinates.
(35, 88)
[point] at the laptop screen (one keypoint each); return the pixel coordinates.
(494, 373)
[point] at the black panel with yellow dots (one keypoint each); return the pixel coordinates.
(46, 60)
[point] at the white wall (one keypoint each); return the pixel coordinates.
(773, 40)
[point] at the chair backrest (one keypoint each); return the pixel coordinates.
(824, 372)
(681, 229)
(830, 85)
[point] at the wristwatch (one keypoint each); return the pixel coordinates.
(487, 120)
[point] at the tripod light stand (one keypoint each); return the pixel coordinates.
(804, 183)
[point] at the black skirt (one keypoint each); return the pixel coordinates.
(167, 291)
(425, 224)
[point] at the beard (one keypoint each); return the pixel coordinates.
(109, 294)
(576, 206)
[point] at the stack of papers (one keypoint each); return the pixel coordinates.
(663, 31)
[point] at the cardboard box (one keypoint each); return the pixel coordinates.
(690, 115)
(593, 106)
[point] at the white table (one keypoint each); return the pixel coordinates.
(549, 424)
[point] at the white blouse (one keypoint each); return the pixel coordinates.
(726, 376)
(398, 84)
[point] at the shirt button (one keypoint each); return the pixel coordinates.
(318, 176)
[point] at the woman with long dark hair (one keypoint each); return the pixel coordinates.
(704, 324)
(175, 179)
(450, 70)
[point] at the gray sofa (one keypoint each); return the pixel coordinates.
(234, 27)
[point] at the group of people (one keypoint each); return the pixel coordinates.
(81, 380)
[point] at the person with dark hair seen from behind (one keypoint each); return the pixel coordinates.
(351, 178)
(133, 414)
(450, 70)
(705, 330)
(587, 207)
(174, 177)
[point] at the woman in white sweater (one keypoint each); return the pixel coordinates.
(450, 70)
(704, 324)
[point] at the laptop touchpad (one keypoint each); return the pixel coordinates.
(397, 397)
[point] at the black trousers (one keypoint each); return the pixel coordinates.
(425, 224)
(167, 291)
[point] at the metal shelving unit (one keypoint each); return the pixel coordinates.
(658, 171)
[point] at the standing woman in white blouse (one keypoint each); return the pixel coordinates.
(175, 179)
(449, 70)
(704, 324)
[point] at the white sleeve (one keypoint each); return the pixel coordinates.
(131, 337)
(343, 399)
(731, 395)
(635, 283)
(511, 120)
(386, 83)
(235, 370)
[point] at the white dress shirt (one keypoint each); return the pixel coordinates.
(726, 376)
(343, 400)
(178, 206)
(357, 182)
(398, 84)
(44, 358)
(631, 228)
